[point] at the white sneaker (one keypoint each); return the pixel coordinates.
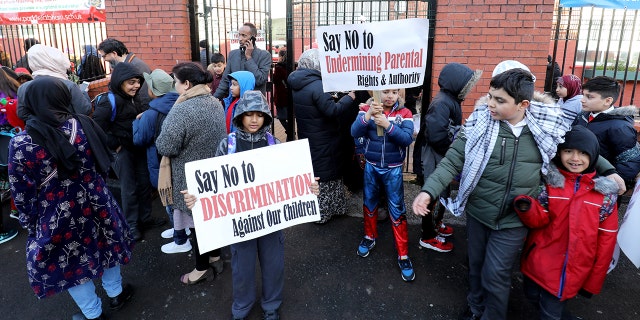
(172, 247)
(168, 234)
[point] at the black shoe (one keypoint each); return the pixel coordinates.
(118, 301)
(135, 234)
(469, 315)
(152, 223)
(80, 316)
(271, 315)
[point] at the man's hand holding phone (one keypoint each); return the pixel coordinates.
(249, 46)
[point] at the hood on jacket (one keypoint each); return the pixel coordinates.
(580, 138)
(603, 185)
(122, 72)
(48, 61)
(624, 111)
(164, 103)
(458, 80)
(252, 100)
(301, 77)
(246, 80)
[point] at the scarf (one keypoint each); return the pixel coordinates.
(197, 90)
(545, 123)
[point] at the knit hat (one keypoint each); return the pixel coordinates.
(573, 85)
(48, 61)
(508, 65)
(580, 138)
(309, 60)
(159, 82)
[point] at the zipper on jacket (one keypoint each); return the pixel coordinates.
(509, 182)
(384, 143)
(502, 150)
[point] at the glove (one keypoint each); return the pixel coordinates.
(585, 293)
(522, 203)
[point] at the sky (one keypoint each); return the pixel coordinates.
(278, 9)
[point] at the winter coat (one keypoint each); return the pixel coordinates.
(246, 81)
(190, 132)
(80, 102)
(573, 224)
(281, 95)
(318, 119)
(259, 65)
(75, 227)
(571, 108)
(618, 139)
(144, 131)
(120, 130)
(388, 150)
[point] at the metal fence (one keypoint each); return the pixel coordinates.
(68, 37)
(591, 42)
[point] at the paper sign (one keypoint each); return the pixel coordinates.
(373, 56)
(628, 235)
(249, 194)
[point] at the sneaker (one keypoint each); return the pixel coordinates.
(365, 246)
(6, 236)
(438, 244)
(173, 247)
(445, 230)
(406, 269)
(271, 315)
(168, 234)
(14, 214)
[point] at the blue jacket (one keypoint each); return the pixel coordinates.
(144, 131)
(247, 81)
(389, 149)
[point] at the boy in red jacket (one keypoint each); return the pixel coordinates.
(573, 224)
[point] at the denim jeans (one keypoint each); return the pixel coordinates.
(85, 294)
(550, 306)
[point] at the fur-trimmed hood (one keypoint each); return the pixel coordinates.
(602, 184)
(624, 111)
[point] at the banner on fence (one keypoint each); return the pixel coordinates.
(373, 56)
(246, 195)
(51, 11)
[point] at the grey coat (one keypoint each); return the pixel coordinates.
(191, 131)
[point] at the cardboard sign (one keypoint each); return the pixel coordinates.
(246, 195)
(373, 56)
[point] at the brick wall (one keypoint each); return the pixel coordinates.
(157, 31)
(481, 33)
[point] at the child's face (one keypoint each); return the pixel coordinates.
(130, 86)
(252, 121)
(504, 107)
(217, 68)
(561, 91)
(594, 102)
(235, 88)
(574, 160)
(389, 97)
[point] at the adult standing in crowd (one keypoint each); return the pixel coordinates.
(52, 62)
(130, 163)
(76, 231)
(24, 60)
(281, 92)
(90, 67)
(114, 51)
(205, 55)
(318, 119)
(190, 132)
(246, 58)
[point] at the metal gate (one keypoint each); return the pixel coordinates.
(68, 37)
(590, 41)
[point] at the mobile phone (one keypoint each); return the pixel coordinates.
(253, 40)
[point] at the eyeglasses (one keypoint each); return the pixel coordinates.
(105, 55)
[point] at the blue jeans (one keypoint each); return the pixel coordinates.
(85, 294)
(492, 254)
(550, 306)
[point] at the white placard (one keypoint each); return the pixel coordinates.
(373, 56)
(628, 235)
(246, 195)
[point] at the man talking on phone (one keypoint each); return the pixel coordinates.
(247, 58)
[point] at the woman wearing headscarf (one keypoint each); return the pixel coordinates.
(90, 67)
(76, 231)
(318, 119)
(570, 92)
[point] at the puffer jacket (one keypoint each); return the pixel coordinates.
(120, 130)
(618, 139)
(573, 235)
(318, 119)
(388, 150)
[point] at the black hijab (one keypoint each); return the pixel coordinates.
(48, 100)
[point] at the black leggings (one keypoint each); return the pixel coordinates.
(202, 260)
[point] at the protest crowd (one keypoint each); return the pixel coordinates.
(538, 177)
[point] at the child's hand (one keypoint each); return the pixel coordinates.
(420, 204)
(315, 187)
(139, 115)
(189, 199)
(381, 120)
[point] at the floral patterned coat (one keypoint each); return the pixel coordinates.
(75, 227)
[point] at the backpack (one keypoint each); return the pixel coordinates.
(231, 141)
(112, 100)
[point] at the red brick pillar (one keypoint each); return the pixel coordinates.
(481, 33)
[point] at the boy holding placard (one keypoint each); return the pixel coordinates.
(384, 155)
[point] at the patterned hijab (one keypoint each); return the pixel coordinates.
(573, 85)
(309, 60)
